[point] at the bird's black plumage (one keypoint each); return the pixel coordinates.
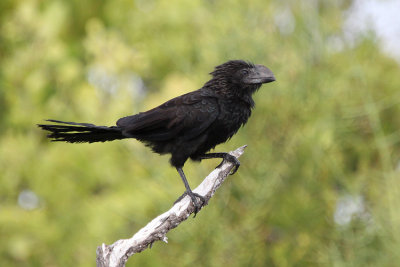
(187, 126)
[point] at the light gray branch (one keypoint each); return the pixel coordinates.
(117, 254)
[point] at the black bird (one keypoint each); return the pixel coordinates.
(187, 126)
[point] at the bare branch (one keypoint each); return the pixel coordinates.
(117, 254)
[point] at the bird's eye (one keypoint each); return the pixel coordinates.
(244, 72)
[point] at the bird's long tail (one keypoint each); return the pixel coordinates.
(73, 132)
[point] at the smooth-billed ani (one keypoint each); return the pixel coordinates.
(187, 126)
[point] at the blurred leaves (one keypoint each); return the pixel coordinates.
(325, 133)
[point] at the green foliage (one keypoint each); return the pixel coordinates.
(327, 128)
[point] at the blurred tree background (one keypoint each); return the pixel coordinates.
(319, 183)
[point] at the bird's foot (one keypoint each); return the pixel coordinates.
(231, 159)
(196, 204)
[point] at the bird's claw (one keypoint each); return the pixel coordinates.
(235, 168)
(233, 160)
(196, 204)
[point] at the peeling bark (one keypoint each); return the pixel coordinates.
(117, 254)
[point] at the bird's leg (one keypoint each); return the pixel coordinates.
(189, 192)
(225, 156)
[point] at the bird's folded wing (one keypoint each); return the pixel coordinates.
(185, 118)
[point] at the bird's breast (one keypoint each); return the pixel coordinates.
(230, 119)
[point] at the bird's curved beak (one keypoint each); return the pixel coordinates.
(260, 74)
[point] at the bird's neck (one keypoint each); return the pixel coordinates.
(248, 100)
(233, 93)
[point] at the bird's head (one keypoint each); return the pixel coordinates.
(240, 75)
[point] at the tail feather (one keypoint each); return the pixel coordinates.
(73, 132)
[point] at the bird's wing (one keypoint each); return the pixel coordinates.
(183, 117)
